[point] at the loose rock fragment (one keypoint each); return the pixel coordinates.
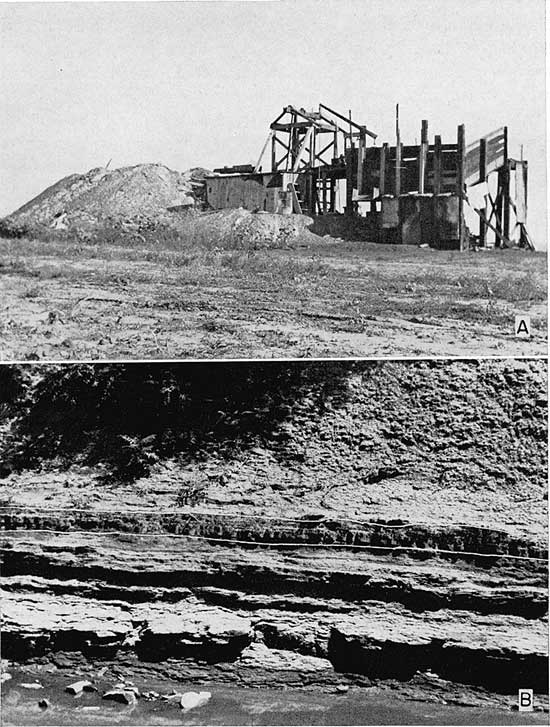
(123, 696)
(192, 700)
(31, 685)
(79, 687)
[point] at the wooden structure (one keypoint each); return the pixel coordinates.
(426, 193)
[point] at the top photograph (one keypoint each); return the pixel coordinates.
(266, 180)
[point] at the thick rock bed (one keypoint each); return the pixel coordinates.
(381, 559)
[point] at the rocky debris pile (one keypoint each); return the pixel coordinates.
(139, 195)
(126, 693)
(240, 229)
(144, 200)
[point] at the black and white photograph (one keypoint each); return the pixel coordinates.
(273, 179)
(273, 363)
(286, 543)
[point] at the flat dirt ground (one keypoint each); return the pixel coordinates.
(66, 299)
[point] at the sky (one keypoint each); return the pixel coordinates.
(198, 83)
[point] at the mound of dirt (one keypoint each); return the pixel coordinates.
(144, 192)
(239, 228)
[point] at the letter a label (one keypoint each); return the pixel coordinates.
(523, 326)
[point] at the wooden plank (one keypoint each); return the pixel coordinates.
(296, 206)
(461, 149)
(437, 166)
(506, 189)
(349, 121)
(360, 157)
(422, 157)
(301, 150)
(258, 163)
(398, 152)
(498, 233)
(332, 195)
(349, 181)
(382, 180)
(437, 190)
(274, 153)
(323, 150)
(482, 178)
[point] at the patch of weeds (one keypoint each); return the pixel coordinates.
(6, 501)
(213, 325)
(191, 492)
(32, 291)
(80, 502)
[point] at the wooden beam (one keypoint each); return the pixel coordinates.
(349, 121)
(497, 208)
(482, 178)
(301, 125)
(323, 150)
(258, 163)
(461, 152)
(301, 150)
(422, 157)
(360, 159)
(332, 195)
(506, 188)
(398, 152)
(274, 153)
(384, 151)
(312, 122)
(296, 206)
(502, 238)
(437, 190)
(349, 181)
(437, 166)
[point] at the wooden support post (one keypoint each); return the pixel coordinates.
(437, 190)
(497, 208)
(335, 154)
(332, 195)
(524, 172)
(383, 157)
(349, 181)
(360, 160)
(422, 158)
(460, 154)
(506, 189)
(437, 165)
(259, 162)
(483, 178)
(274, 152)
(397, 154)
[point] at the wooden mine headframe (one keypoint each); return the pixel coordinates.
(312, 146)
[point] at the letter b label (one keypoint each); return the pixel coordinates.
(525, 700)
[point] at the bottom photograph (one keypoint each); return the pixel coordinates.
(274, 543)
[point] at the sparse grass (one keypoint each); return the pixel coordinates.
(353, 283)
